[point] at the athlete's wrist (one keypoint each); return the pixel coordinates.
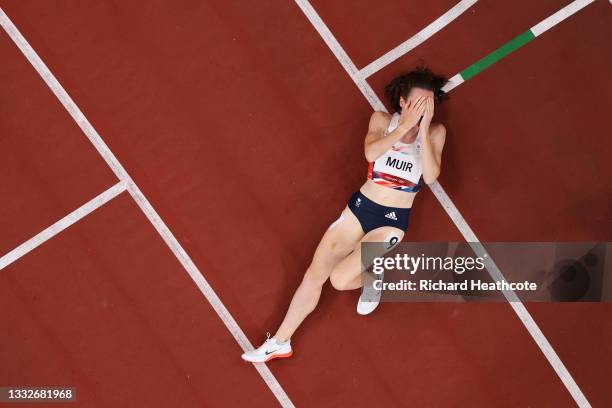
(403, 128)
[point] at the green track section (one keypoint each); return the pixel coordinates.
(509, 47)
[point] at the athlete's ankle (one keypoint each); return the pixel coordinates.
(280, 340)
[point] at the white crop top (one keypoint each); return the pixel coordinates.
(399, 167)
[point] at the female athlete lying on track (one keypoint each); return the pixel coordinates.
(403, 150)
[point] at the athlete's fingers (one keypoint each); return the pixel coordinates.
(417, 106)
(418, 103)
(421, 107)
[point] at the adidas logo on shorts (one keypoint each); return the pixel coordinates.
(391, 215)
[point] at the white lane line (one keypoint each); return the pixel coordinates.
(559, 16)
(417, 39)
(519, 308)
(143, 203)
(340, 54)
(471, 238)
(207, 291)
(453, 82)
(62, 224)
(536, 30)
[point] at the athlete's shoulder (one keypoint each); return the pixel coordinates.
(437, 133)
(381, 115)
(379, 119)
(438, 129)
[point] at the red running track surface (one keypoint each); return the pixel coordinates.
(106, 308)
(48, 167)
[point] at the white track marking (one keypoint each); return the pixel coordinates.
(207, 291)
(455, 81)
(516, 304)
(143, 203)
(559, 16)
(537, 30)
(417, 39)
(340, 54)
(462, 225)
(62, 224)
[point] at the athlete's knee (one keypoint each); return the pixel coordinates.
(392, 239)
(339, 280)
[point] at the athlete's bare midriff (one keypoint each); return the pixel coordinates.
(387, 196)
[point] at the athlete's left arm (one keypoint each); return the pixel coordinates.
(432, 142)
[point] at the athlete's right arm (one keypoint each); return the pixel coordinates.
(376, 143)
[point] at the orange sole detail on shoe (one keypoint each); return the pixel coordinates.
(289, 354)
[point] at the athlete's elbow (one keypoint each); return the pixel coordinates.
(431, 178)
(370, 155)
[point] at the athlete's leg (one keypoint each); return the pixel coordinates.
(337, 242)
(346, 274)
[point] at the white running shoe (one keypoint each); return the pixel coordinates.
(269, 350)
(369, 298)
(365, 307)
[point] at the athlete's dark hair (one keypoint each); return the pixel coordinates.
(420, 77)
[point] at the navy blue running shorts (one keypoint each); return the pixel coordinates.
(372, 215)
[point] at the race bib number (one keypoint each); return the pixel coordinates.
(400, 165)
